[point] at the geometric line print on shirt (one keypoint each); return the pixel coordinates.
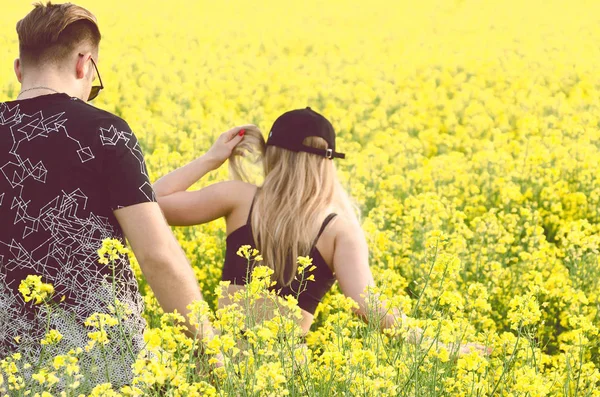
(60, 237)
(113, 137)
(37, 126)
(71, 236)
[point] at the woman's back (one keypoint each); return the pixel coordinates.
(309, 286)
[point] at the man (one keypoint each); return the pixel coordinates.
(72, 175)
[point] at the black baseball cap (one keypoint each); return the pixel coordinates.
(290, 129)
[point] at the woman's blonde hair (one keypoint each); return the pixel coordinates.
(290, 205)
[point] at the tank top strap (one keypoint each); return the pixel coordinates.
(323, 226)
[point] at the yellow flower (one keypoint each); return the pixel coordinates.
(132, 391)
(199, 313)
(524, 311)
(43, 394)
(111, 250)
(68, 362)
(100, 337)
(100, 320)
(244, 251)
(104, 390)
(52, 337)
(472, 362)
(303, 263)
(443, 354)
(270, 380)
(32, 288)
(44, 377)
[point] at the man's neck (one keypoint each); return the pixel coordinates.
(38, 85)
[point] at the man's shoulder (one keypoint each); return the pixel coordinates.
(99, 117)
(76, 110)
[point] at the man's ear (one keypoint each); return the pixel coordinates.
(18, 71)
(82, 66)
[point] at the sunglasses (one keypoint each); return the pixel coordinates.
(95, 89)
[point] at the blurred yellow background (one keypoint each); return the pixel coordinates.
(477, 121)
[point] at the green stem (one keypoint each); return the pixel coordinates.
(43, 351)
(117, 312)
(426, 282)
(507, 364)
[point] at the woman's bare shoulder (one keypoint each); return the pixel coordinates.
(241, 193)
(346, 230)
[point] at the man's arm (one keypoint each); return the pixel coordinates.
(161, 259)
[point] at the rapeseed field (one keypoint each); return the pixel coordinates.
(472, 134)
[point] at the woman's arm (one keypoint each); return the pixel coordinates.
(183, 208)
(351, 265)
(182, 178)
(204, 205)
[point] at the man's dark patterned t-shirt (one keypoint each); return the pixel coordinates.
(64, 167)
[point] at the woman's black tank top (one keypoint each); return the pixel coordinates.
(235, 268)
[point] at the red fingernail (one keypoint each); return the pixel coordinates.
(242, 132)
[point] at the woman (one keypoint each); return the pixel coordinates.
(300, 209)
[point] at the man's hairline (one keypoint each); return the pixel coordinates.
(90, 47)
